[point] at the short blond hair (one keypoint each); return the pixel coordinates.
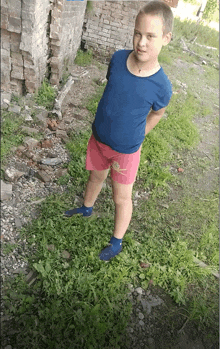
(159, 8)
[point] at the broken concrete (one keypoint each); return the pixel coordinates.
(6, 191)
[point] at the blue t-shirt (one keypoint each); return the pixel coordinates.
(122, 111)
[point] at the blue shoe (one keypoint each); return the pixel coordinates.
(85, 211)
(108, 253)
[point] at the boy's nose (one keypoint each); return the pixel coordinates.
(142, 42)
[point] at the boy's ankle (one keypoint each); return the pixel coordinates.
(88, 205)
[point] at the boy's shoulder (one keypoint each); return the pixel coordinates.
(162, 79)
(120, 53)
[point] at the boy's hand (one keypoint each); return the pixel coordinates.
(153, 118)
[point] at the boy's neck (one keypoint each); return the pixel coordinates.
(145, 66)
(136, 69)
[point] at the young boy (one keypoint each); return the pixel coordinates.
(133, 102)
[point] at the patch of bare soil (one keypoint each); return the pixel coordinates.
(164, 325)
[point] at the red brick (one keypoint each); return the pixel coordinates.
(17, 72)
(30, 86)
(4, 21)
(14, 24)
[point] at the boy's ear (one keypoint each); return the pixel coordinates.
(167, 38)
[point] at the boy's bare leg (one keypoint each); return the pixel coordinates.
(123, 213)
(94, 186)
(122, 195)
(92, 191)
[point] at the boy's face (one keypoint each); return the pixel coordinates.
(148, 38)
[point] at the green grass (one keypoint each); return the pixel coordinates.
(188, 30)
(45, 95)
(172, 134)
(83, 58)
(11, 135)
(92, 103)
(8, 248)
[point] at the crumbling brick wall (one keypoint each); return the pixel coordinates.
(38, 37)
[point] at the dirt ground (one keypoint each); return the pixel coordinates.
(165, 321)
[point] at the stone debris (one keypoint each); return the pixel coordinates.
(15, 109)
(28, 118)
(141, 316)
(66, 254)
(51, 162)
(29, 130)
(52, 125)
(6, 101)
(11, 174)
(42, 118)
(139, 290)
(61, 172)
(43, 176)
(6, 191)
(47, 143)
(31, 142)
(62, 134)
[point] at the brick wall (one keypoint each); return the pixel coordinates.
(66, 32)
(38, 38)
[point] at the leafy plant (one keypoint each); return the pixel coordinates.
(45, 95)
(83, 58)
(10, 135)
(8, 248)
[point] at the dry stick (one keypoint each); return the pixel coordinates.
(203, 265)
(184, 325)
(208, 47)
(185, 48)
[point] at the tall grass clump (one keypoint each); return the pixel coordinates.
(45, 95)
(83, 58)
(10, 132)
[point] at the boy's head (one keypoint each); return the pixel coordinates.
(160, 9)
(153, 30)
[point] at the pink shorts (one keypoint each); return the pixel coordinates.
(100, 157)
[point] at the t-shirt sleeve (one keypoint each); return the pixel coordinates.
(163, 97)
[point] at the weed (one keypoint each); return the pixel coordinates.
(8, 248)
(64, 180)
(64, 79)
(45, 95)
(10, 135)
(15, 98)
(83, 58)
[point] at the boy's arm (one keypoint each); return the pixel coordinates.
(153, 118)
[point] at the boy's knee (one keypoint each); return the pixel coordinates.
(98, 176)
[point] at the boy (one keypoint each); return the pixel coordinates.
(136, 83)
